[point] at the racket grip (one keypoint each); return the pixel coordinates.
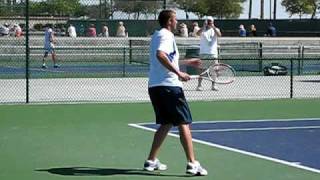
(194, 76)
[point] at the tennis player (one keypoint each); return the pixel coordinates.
(167, 96)
(49, 41)
(209, 34)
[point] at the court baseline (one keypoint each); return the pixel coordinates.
(292, 142)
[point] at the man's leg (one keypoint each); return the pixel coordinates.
(186, 141)
(53, 55)
(193, 166)
(43, 60)
(152, 163)
(199, 87)
(158, 139)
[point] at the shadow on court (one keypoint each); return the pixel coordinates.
(90, 171)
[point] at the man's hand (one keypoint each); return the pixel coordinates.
(183, 76)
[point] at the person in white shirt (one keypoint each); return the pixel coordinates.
(49, 41)
(196, 28)
(183, 30)
(72, 31)
(105, 31)
(17, 30)
(121, 31)
(4, 30)
(167, 96)
(209, 34)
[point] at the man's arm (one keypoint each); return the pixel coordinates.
(217, 31)
(162, 57)
(196, 62)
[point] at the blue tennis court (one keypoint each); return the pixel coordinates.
(294, 142)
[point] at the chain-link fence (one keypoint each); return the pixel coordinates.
(115, 69)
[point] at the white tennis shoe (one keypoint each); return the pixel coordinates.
(199, 88)
(196, 169)
(214, 88)
(150, 165)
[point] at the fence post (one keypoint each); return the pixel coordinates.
(260, 56)
(124, 63)
(299, 58)
(291, 78)
(130, 51)
(27, 50)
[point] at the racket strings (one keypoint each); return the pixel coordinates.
(220, 73)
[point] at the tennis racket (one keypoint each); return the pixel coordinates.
(219, 73)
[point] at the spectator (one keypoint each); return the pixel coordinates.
(253, 30)
(208, 47)
(242, 31)
(17, 30)
(92, 31)
(271, 31)
(72, 31)
(121, 31)
(4, 30)
(82, 30)
(196, 28)
(49, 43)
(183, 30)
(105, 31)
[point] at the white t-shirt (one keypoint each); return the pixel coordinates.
(209, 42)
(72, 31)
(159, 75)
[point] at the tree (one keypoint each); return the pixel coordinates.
(186, 5)
(217, 8)
(137, 7)
(299, 7)
(315, 5)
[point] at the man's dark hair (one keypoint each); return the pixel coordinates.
(164, 17)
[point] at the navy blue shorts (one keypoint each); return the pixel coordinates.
(170, 105)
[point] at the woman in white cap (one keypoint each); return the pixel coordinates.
(121, 31)
(209, 34)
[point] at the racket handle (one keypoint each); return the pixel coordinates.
(194, 76)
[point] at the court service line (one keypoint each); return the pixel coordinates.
(254, 129)
(292, 164)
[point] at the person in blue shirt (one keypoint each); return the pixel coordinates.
(242, 31)
(271, 31)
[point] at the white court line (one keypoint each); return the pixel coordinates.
(248, 120)
(254, 129)
(291, 164)
(35, 69)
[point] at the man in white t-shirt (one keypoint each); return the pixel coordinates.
(72, 31)
(166, 94)
(49, 41)
(209, 34)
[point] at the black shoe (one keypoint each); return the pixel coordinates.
(56, 66)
